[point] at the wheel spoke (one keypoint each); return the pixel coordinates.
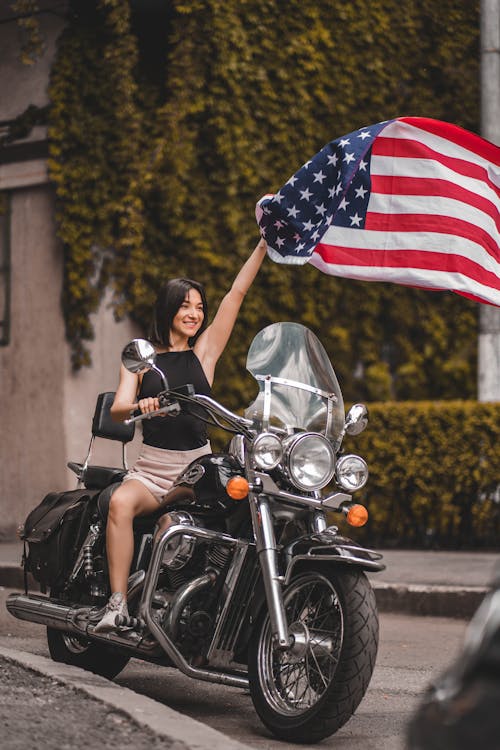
(318, 668)
(307, 686)
(290, 676)
(301, 606)
(321, 618)
(295, 674)
(294, 683)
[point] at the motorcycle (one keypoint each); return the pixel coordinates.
(249, 584)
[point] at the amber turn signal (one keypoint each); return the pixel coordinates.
(357, 515)
(237, 488)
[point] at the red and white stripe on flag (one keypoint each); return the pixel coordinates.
(433, 213)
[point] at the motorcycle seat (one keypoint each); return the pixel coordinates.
(97, 477)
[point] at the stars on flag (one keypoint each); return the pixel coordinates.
(331, 188)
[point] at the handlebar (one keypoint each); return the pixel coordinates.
(174, 400)
(172, 409)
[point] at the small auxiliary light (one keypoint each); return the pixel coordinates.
(357, 515)
(237, 488)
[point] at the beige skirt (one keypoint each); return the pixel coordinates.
(157, 468)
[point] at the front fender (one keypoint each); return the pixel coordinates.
(309, 549)
(327, 547)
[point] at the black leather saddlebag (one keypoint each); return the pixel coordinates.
(54, 532)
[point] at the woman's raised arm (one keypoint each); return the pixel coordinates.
(213, 340)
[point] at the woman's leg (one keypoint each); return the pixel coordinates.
(175, 495)
(131, 499)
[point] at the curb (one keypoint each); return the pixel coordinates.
(431, 601)
(180, 730)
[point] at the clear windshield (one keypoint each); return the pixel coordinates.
(298, 388)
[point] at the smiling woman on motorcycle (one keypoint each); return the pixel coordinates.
(188, 351)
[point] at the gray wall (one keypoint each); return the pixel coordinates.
(46, 408)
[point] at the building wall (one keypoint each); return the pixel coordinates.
(32, 439)
(46, 409)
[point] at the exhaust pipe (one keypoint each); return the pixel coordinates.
(59, 616)
(44, 611)
(55, 614)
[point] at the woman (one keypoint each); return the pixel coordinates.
(188, 351)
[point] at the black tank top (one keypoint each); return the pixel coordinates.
(184, 432)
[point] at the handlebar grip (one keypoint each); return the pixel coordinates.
(136, 413)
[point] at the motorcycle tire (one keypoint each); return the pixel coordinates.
(307, 693)
(71, 649)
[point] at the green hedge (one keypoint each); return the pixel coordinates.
(434, 474)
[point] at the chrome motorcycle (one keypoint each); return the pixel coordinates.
(251, 584)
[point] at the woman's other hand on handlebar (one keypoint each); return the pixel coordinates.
(147, 405)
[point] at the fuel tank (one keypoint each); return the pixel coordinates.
(202, 485)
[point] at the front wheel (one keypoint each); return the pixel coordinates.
(79, 652)
(308, 692)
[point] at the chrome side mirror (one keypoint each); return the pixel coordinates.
(356, 419)
(139, 355)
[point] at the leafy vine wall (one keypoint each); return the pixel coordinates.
(169, 120)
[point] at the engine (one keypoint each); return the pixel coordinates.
(189, 588)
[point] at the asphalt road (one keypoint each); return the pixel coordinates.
(412, 650)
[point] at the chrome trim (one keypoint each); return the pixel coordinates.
(202, 399)
(237, 448)
(88, 544)
(296, 384)
(191, 475)
(361, 562)
(336, 500)
(266, 411)
(147, 615)
(135, 584)
(329, 415)
(319, 522)
(263, 483)
(262, 520)
(221, 649)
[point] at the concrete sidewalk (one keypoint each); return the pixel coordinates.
(446, 584)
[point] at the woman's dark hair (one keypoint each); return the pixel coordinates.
(170, 297)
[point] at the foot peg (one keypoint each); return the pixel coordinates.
(135, 623)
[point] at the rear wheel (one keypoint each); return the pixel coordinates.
(308, 692)
(69, 648)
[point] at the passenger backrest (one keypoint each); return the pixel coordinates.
(103, 425)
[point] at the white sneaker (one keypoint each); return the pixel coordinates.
(117, 605)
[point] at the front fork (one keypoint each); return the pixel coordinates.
(265, 539)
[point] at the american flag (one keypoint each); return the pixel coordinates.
(411, 200)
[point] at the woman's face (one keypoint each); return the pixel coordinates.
(189, 316)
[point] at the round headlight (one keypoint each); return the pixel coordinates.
(310, 461)
(351, 472)
(267, 451)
